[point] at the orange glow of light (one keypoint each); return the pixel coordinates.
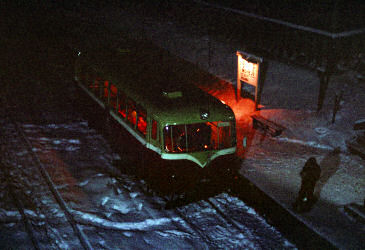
(61, 175)
(205, 146)
(242, 109)
(132, 117)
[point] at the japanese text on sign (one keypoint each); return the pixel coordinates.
(248, 71)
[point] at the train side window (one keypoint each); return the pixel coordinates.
(122, 104)
(113, 96)
(154, 130)
(95, 85)
(131, 112)
(142, 120)
(106, 91)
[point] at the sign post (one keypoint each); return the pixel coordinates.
(248, 71)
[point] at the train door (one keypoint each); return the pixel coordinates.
(224, 135)
(154, 134)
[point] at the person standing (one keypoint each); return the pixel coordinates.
(310, 175)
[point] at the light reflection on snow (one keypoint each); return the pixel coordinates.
(312, 144)
(169, 233)
(91, 219)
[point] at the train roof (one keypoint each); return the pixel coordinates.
(159, 83)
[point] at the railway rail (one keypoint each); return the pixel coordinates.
(187, 211)
(189, 226)
(37, 195)
(19, 205)
(184, 223)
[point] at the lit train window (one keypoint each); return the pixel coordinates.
(175, 138)
(122, 104)
(113, 96)
(199, 137)
(142, 120)
(131, 112)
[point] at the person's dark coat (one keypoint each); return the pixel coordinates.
(310, 175)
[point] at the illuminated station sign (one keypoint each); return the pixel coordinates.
(248, 71)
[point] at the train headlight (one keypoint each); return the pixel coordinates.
(204, 114)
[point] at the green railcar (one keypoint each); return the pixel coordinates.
(170, 118)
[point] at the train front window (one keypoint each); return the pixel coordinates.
(198, 137)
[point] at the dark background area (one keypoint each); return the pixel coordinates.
(330, 15)
(40, 37)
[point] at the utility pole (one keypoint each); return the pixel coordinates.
(325, 74)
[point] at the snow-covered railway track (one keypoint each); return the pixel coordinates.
(19, 204)
(181, 222)
(219, 221)
(194, 225)
(210, 229)
(42, 195)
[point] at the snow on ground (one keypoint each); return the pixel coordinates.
(113, 208)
